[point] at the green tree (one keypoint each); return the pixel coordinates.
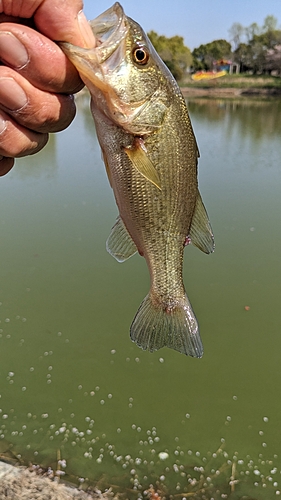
(205, 55)
(252, 30)
(270, 23)
(261, 53)
(173, 52)
(236, 33)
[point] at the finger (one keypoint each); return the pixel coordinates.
(38, 59)
(67, 22)
(60, 20)
(40, 111)
(18, 141)
(5, 165)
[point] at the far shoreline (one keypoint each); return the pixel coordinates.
(230, 92)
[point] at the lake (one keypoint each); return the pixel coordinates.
(75, 393)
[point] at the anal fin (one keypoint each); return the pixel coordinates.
(119, 243)
(201, 233)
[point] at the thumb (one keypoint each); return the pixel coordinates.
(64, 21)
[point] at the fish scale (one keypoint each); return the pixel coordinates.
(151, 155)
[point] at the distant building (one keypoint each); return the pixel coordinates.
(226, 65)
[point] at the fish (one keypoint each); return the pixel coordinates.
(151, 157)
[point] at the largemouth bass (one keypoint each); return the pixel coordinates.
(150, 153)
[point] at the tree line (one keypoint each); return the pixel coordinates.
(256, 49)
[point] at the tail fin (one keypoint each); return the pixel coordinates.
(155, 327)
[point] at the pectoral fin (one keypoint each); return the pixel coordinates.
(140, 160)
(201, 233)
(119, 243)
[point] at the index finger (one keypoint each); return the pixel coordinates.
(38, 59)
(60, 20)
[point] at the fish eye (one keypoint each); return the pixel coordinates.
(140, 55)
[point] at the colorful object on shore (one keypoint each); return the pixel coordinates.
(151, 155)
(208, 75)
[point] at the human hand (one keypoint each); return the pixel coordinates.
(36, 79)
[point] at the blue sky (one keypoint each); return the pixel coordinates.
(198, 21)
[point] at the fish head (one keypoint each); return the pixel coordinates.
(123, 72)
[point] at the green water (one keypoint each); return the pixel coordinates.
(71, 379)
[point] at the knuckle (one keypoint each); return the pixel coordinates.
(53, 114)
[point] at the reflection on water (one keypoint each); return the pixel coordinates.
(70, 378)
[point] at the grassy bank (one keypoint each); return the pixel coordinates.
(236, 81)
(233, 85)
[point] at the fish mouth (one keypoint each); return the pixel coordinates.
(93, 64)
(110, 28)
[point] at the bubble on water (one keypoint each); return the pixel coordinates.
(7, 320)
(118, 430)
